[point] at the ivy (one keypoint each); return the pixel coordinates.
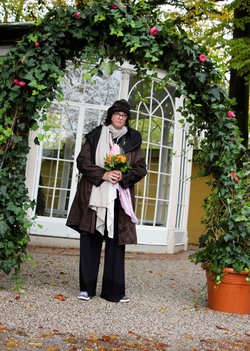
(30, 76)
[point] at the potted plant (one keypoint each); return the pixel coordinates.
(224, 247)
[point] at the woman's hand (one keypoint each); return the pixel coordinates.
(112, 176)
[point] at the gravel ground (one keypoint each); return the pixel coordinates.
(167, 309)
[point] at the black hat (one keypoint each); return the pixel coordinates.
(119, 106)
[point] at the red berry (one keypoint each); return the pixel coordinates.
(22, 84)
(236, 179)
(36, 44)
(114, 7)
(16, 81)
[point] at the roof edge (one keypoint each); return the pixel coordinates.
(14, 31)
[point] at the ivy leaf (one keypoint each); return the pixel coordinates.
(117, 31)
(215, 92)
(3, 228)
(39, 87)
(201, 76)
(33, 37)
(14, 208)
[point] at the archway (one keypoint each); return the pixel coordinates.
(32, 70)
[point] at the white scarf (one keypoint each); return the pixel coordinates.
(117, 133)
(102, 198)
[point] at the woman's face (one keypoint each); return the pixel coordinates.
(118, 119)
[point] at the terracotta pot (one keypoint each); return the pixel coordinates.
(232, 295)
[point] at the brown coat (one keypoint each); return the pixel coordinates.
(81, 217)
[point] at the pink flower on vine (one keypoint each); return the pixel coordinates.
(78, 15)
(231, 114)
(153, 31)
(20, 83)
(202, 57)
(235, 177)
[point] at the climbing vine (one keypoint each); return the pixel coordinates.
(96, 30)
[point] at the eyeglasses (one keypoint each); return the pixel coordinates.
(120, 115)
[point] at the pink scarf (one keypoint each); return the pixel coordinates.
(124, 194)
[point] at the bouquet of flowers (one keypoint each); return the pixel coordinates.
(116, 162)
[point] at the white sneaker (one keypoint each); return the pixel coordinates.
(125, 299)
(83, 295)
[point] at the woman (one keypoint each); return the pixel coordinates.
(97, 212)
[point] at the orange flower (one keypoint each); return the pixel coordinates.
(121, 158)
(108, 159)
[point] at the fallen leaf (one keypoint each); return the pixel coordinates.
(108, 337)
(37, 344)
(47, 335)
(65, 283)
(70, 340)
(60, 297)
(188, 336)
(164, 308)
(53, 348)
(56, 331)
(17, 297)
(208, 340)
(171, 286)
(153, 344)
(13, 343)
(159, 274)
(221, 327)
(93, 336)
(21, 333)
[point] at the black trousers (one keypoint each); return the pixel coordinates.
(113, 281)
